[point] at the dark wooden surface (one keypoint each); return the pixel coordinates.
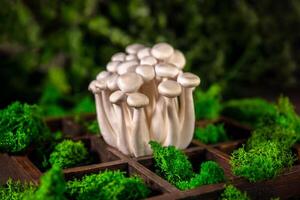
(284, 186)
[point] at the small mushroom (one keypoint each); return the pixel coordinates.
(117, 99)
(144, 52)
(103, 75)
(134, 48)
(148, 60)
(131, 57)
(127, 66)
(187, 114)
(140, 133)
(170, 90)
(166, 70)
(118, 57)
(177, 59)
(162, 51)
(130, 82)
(112, 66)
(149, 88)
(112, 82)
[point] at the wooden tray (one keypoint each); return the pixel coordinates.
(284, 186)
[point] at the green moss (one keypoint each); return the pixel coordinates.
(52, 186)
(15, 190)
(263, 161)
(108, 185)
(20, 126)
(210, 173)
(207, 103)
(248, 111)
(211, 134)
(69, 154)
(232, 193)
(171, 163)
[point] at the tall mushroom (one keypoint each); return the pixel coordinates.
(106, 130)
(187, 114)
(169, 90)
(140, 133)
(117, 99)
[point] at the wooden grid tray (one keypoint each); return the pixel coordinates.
(284, 186)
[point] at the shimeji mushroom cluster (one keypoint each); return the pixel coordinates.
(144, 95)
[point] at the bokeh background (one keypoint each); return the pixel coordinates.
(51, 49)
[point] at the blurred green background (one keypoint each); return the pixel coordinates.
(51, 49)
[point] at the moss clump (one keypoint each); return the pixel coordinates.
(232, 193)
(210, 173)
(20, 126)
(108, 185)
(52, 186)
(248, 111)
(174, 166)
(171, 163)
(211, 134)
(207, 104)
(263, 161)
(68, 154)
(16, 190)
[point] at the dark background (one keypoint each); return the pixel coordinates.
(51, 49)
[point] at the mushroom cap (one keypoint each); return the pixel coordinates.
(177, 59)
(188, 80)
(112, 66)
(148, 60)
(130, 82)
(134, 48)
(117, 97)
(162, 51)
(118, 57)
(92, 86)
(101, 84)
(166, 70)
(131, 57)
(127, 66)
(137, 100)
(144, 52)
(111, 82)
(169, 88)
(146, 72)
(103, 75)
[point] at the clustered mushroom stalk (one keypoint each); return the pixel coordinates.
(144, 95)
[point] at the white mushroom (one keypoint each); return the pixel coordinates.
(131, 57)
(106, 130)
(134, 48)
(162, 51)
(177, 59)
(144, 52)
(137, 99)
(130, 82)
(166, 70)
(117, 99)
(171, 89)
(127, 66)
(112, 66)
(118, 57)
(103, 75)
(140, 133)
(187, 114)
(148, 60)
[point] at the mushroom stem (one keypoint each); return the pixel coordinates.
(158, 123)
(172, 122)
(122, 132)
(106, 129)
(187, 118)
